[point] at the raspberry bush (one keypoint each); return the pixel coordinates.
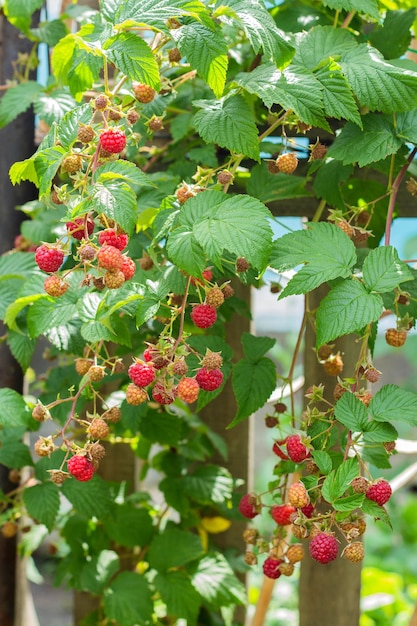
(156, 199)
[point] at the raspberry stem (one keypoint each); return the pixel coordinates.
(394, 192)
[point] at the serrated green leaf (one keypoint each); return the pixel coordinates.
(351, 412)
(208, 483)
(268, 187)
(323, 460)
(185, 251)
(253, 383)
(338, 481)
(91, 499)
(377, 512)
(326, 251)
(261, 30)
(76, 63)
(14, 309)
(383, 270)
(48, 312)
(50, 32)
(206, 51)
(98, 570)
(256, 347)
(347, 308)
(19, 12)
(128, 600)
(179, 595)
(320, 43)
(391, 403)
(24, 170)
(14, 454)
(52, 107)
(228, 122)
(295, 88)
(133, 56)
(378, 85)
(68, 127)
(216, 582)
(22, 347)
(393, 38)
(14, 411)
(406, 127)
(338, 98)
(157, 12)
(327, 181)
(47, 163)
(350, 503)
(174, 548)
(123, 170)
(117, 201)
(369, 7)
(16, 265)
(42, 503)
(375, 142)
(16, 100)
(379, 432)
(129, 526)
(162, 428)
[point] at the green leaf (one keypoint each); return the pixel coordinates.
(393, 38)
(391, 403)
(128, 600)
(268, 187)
(256, 347)
(14, 454)
(323, 460)
(230, 123)
(369, 7)
(295, 88)
(338, 98)
(320, 43)
(407, 126)
(17, 100)
(216, 582)
(178, 594)
(347, 308)
(42, 503)
(48, 312)
(68, 127)
(97, 572)
(157, 12)
(117, 201)
(350, 503)
(14, 411)
(253, 383)
(162, 428)
(52, 107)
(261, 30)
(351, 412)
(22, 347)
(378, 85)
(23, 170)
(369, 507)
(76, 63)
(383, 270)
(19, 12)
(91, 499)
(377, 141)
(47, 162)
(50, 32)
(205, 50)
(326, 251)
(129, 526)
(14, 309)
(208, 484)
(174, 548)
(133, 57)
(123, 170)
(185, 251)
(338, 481)
(16, 264)
(379, 432)
(327, 181)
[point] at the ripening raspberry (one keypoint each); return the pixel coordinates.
(298, 495)
(55, 286)
(128, 267)
(162, 394)
(110, 258)
(188, 390)
(113, 140)
(248, 506)
(49, 259)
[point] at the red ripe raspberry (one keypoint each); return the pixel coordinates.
(247, 507)
(281, 514)
(81, 468)
(296, 450)
(188, 390)
(113, 238)
(162, 395)
(110, 258)
(308, 510)
(209, 380)
(380, 492)
(203, 315)
(55, 286)
(113, 140)
(135, 395)
(276, 449)
(287, 163)
(142, 374)
(144, 93)
(271, 567)
(78, 227)
(324, 548)
(297, 495)
(128, 267)
(207, 274)
(49, 259)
